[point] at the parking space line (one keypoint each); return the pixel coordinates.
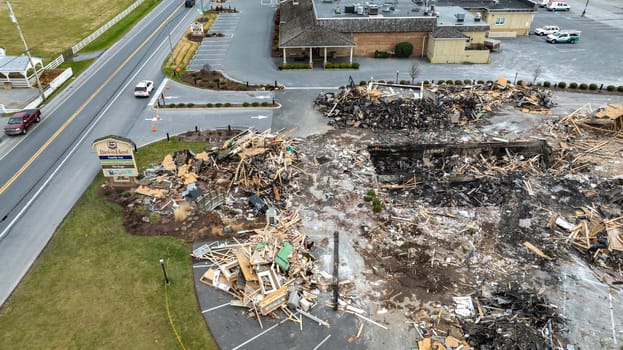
(322, 342)
(214, 308)
(261, 334)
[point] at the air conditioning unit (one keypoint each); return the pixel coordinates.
(477, 17)
(373, 10)
(359, 10)
(460, 17)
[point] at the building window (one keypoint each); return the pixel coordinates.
(499, 20)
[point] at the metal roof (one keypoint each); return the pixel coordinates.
(17, 64)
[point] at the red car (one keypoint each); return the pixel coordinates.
(21, 121)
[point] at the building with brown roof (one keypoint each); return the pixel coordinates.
(451, 31)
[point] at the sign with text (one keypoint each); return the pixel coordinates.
(116, 155)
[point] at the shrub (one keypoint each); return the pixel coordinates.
(363, 82)
(245, 104)
(209, 105)
(404, 82)
(355, 65)
(293, 66)
(371, 193)
(171, 105)
(610, 87)
(583, 86)
(562, 85)
(458, 82)
(573, 86)
(480, 82)
(519, 82)
(620, 88)
(190, 105)
(381, 81)
(255, 104)
(227, 104)
(547, 84)
(264, 104)
(426, 82)
(181, 105)
(377, 208)
(441, 81)
(154, 218)
(381, 54)
(489, 81)
(218, 105)
(467, 82)
(367, 198)
(404, 49)
(592, 87)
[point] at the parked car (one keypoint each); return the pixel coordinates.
(21, 121)
(558, 6)
(143, 88)
(547, 30)
(542, 3)
(564, 36)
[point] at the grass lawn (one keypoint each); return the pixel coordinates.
(52, 26)
(97, 287)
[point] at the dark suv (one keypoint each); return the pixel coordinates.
(189, 3)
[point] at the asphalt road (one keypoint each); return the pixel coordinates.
(46, 172)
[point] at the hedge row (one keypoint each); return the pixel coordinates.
(219, 105)
(560, 85)
(294, 66)
(330, 65)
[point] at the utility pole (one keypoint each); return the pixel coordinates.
(21, 35)
(585, 7)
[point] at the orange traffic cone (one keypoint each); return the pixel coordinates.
(153, 128)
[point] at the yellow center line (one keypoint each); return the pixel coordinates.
(82, 107)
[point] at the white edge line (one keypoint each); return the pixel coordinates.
(322, 342)
(71, 152)
(158, 92)
(214, 308)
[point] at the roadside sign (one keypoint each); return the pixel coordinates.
(116, 155)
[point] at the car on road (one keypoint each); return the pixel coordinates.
(564, 36)
(189, 3)
(558, 6)
(546, 30)
(21, 121)
(143, 88)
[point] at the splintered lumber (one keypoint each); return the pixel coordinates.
(273, 301)
(536, 250)
(313, 318)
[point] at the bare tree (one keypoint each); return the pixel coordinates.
(536, 74)
(413, 72)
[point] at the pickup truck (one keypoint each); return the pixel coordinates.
(21, 121)
(565, 36)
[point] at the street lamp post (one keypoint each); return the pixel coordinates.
(397, 72)
(21, 35)
(164, 271)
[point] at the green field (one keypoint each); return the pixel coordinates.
(53, 26)
(97, 287)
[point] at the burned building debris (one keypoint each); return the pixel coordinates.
(444, 226)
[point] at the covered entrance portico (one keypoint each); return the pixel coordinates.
(311, 53)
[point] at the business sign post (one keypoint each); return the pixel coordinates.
(116, 155)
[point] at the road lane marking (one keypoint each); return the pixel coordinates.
(261, 334)
(81, 108)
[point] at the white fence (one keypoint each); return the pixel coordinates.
(57, 62)
(86, 41)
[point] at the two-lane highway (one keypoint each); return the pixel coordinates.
(35, 193)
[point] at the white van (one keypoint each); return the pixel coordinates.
(558, 6)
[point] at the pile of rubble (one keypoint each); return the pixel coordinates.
(259, 165)
(272, 270)
(368, 107)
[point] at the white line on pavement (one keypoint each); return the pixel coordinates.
(214, 308)
(261, 334)
(322, 342)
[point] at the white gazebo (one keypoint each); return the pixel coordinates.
(14, 70)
